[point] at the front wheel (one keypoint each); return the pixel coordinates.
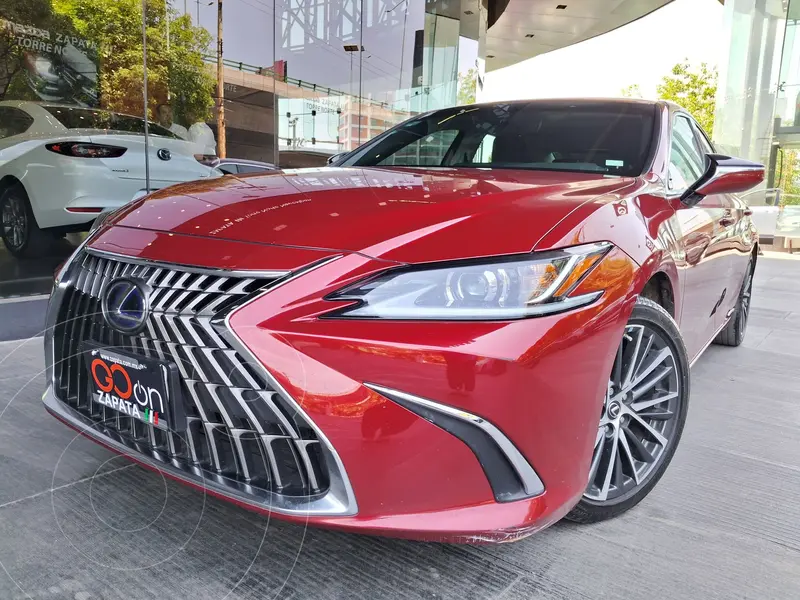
(642, 418)
(18, 227)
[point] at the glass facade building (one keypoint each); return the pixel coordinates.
(306, 78)
(303, 79)
(758, 107)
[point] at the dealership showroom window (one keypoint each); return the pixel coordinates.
(295, 303)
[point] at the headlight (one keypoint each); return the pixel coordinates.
(500, 289)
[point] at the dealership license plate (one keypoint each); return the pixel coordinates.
(142, 388)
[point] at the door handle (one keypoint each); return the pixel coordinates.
(748, 212)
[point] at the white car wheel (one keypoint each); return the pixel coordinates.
(18, 228)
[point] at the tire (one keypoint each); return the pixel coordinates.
(18, 228)
(651, 338)
(733, 334)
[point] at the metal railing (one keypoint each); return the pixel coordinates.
(268, 72)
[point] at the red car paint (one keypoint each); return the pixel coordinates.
(541, 381)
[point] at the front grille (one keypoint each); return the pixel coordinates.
(241, 431)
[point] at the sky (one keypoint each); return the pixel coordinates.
(640, 53)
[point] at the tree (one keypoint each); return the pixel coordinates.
(179, 72)
(787, 176)
(694, 89)
(467, 85)
(632, 91)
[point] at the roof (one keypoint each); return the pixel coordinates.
(528, 28)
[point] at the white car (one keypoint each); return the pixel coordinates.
(61, 166)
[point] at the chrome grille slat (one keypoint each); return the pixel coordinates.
(205, 323)
(164, 300)
(302, 446)
(175, 306)
(191, 386)
(176, 358)
(187, 321)
(236, 429)
(181, 283)
(198, 284)
(178, 334)
(267, 440)
(213, 307)
(212, 392)
(240, 368)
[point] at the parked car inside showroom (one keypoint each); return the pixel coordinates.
(61, 166)
(480, 322)
(235, 166)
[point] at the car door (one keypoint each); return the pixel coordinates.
(731, 242)
(705, 274)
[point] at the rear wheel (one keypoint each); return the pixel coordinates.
(733, 334)
(642, 418)
(18, 228)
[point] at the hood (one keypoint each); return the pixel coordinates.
(404, 215)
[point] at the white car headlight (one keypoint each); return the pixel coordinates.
(497, 289)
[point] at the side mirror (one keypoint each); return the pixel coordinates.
(724, 175)
(332, 160)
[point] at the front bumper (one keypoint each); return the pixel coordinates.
(492, 523)
(539, 383)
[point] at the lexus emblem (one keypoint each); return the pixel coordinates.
(164, 154)
(125, 305)
(614, 409)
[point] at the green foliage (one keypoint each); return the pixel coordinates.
(787, 176)
(632, 91)
(467, 85)
(694, 89)
(178, 71)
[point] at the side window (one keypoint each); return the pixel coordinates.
(686, 159)
(428, 150)
(13, 121)
(228, 168)
(484, 153)
(251, 169)
(702, 140)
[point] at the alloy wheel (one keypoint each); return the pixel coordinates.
(744, 300)
(14, 221)
(639, 417)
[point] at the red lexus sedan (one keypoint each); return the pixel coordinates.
(474, 325)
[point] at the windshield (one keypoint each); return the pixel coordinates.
(597, 137)
(87, 118)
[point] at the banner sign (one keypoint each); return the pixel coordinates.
(56, 66)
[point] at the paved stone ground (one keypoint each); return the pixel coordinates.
(724, 522)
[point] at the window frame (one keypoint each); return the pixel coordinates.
(693, 128)
(649, 151)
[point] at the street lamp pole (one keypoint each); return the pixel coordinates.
(145, 98)
(221, 141)
(350, 49)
